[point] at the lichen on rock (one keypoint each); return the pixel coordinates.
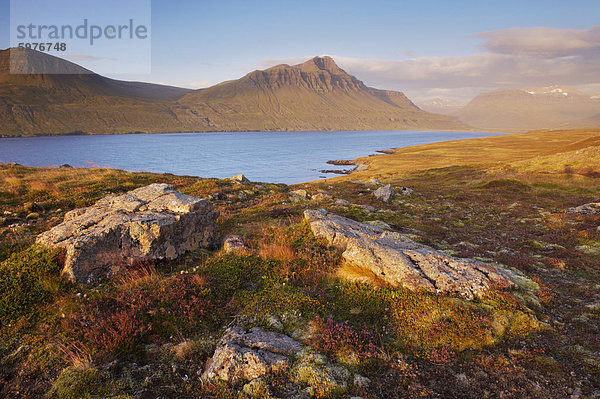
(399, 261)
(149, 223)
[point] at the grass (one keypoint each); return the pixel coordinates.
(155, 325)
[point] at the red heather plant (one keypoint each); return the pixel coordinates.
(148, 309)
(334, 337)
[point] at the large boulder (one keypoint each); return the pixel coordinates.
(385, 193)
(245, 355)
(152, 222)
(397, 260)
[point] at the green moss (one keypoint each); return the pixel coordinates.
(75, 383)
(28, 279)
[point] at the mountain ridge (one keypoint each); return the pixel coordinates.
(315, 95)
(530, 108)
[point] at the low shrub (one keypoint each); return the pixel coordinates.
(28, 279)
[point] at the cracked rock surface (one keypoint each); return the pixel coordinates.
(152, 222)
(399, 261)
(244, 356)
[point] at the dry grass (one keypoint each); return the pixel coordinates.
(488, 152)
(277, 251)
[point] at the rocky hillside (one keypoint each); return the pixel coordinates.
(531, 108)
(316, 95)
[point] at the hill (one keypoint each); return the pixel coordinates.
(531, 108)
(316, 95)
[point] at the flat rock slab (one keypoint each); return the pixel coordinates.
(244, 356)
(397, 260)
(149, 223)
(593, 208)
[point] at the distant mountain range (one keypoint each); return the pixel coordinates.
(315, 95)
(440, 105)
(532, 108)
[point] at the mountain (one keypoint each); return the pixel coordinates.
(439, 105)
(43, 102)
(316, 95)
(531, 108)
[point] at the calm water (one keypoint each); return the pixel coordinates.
(286, 157)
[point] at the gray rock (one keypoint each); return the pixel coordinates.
(342, 202)
(373, 181)
(324, 379)
(385, 193)
(399, 261)
(152, 222)
(368, 208)
(321, 196)
(361, 381)
(244, 356)
(239, 179)
(299, 194)
(406, 191)
(593, 208)
(233, 243)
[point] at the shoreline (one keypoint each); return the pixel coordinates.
(297, 171)
(80, 133)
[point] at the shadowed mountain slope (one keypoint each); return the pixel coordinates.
(316, 95)
(531, 108)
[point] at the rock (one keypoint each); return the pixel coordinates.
(299, 194)
(65, 166)
(239, 179)
(368, 208)
(361, 382)
(379, 224)
(152, 222)
(357, 182)
(233, 243)
(244, 356)
(593, 208)
(406, 191)
(342, 202)
(361, 167)
(257, 388)
(385, 193)
(373, 181)
(321, 196)
(325, 379)
(217, 196)
(399, 261)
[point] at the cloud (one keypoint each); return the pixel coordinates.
(512, 58)
(542, 41)
(86, 57)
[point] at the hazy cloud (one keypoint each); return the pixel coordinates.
(86, 57)
(514, 58)
(546, 42)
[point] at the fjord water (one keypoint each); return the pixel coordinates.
(280, 157)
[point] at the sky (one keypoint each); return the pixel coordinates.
(447, 49)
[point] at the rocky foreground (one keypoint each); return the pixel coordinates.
(454, 283)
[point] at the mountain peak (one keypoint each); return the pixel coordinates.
(26, 61)
(324, 63)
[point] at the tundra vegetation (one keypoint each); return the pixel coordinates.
(151, 329)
